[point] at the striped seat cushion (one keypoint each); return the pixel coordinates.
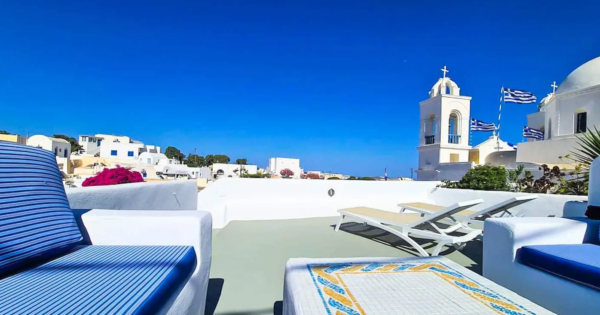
(101, 280)
(35, 217)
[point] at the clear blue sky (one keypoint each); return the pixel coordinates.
(334, 83)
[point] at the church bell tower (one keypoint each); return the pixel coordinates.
(444, 129)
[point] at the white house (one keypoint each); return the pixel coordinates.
(232, 170)
(60, 147)
(151, 158)
(90, 145)
(115, 147)
(571, 109)
(276, 165)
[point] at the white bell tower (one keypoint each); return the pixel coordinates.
(444, 130)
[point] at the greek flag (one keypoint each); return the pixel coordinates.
(519, 97)
(529, 132)
(514, 146)
(478, 125)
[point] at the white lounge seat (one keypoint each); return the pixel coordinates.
(405, 225)
(469, 216)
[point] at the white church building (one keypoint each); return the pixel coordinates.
(444, 150)
(571, 109)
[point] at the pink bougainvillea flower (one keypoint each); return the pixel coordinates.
(114, 176)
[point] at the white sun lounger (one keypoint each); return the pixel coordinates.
(405, 225)
(469, 216)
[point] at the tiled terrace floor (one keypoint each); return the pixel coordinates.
(249, 258)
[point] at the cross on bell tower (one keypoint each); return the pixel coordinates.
(444, 70)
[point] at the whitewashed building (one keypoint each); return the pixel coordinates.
(444, 150)
(276, 165)
(571, 109)
(151, 158)
(232, 170)
(60, 147)
(90, 145)
(115, 147)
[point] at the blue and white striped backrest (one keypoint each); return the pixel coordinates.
(35, 218)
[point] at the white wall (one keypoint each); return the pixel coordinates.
(122, 150)
(569, 103)
(453, 171)
(547, 151)
(269, 199)
(173, 195)
(463, 154)
(228, 169)
(543, 206)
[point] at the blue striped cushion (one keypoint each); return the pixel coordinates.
(101, 280)
(35, 217)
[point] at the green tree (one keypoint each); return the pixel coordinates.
(333, 178)
(174, 153)
(221, 158)
(482, 177)
(241, 161)
(4, 132)
(351, 178)
(194, 160)
(366, 178)
(75, 147)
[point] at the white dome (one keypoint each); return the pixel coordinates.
(444, 85)
(587, 75)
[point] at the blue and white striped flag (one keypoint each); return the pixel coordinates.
(478, 125)
(531, 133)
(519, 97)
(514, 146)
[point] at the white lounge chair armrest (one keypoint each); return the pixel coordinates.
(504, 236)
(149, 227)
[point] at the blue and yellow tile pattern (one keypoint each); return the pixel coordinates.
(338, 299)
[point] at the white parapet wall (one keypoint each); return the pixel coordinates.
(171, 195)
(545, 205)
(230, 199)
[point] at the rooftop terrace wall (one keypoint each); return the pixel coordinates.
(172, 195)
(269, 199)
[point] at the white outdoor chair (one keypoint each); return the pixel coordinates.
(406, 225)
(470, 216)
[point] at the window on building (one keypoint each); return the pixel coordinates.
(129, 153)
(99, 142)
(581, 122)
(55, 151)
(65, 152)
(113, 152)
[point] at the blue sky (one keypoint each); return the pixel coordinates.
(334, 83)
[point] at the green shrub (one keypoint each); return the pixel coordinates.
(365, 178)
(330, 178)
(483, 177)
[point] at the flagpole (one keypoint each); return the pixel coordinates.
(470, 131)
(497, 133)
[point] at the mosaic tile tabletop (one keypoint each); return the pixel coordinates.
(361, 286)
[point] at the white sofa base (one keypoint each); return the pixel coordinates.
(504, 236)
(141, 227)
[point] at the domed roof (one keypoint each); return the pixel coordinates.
(444, 85)
(587, 75)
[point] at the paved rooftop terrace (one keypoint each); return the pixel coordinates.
(249, 258)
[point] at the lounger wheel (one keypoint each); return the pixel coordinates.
(459, 246)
